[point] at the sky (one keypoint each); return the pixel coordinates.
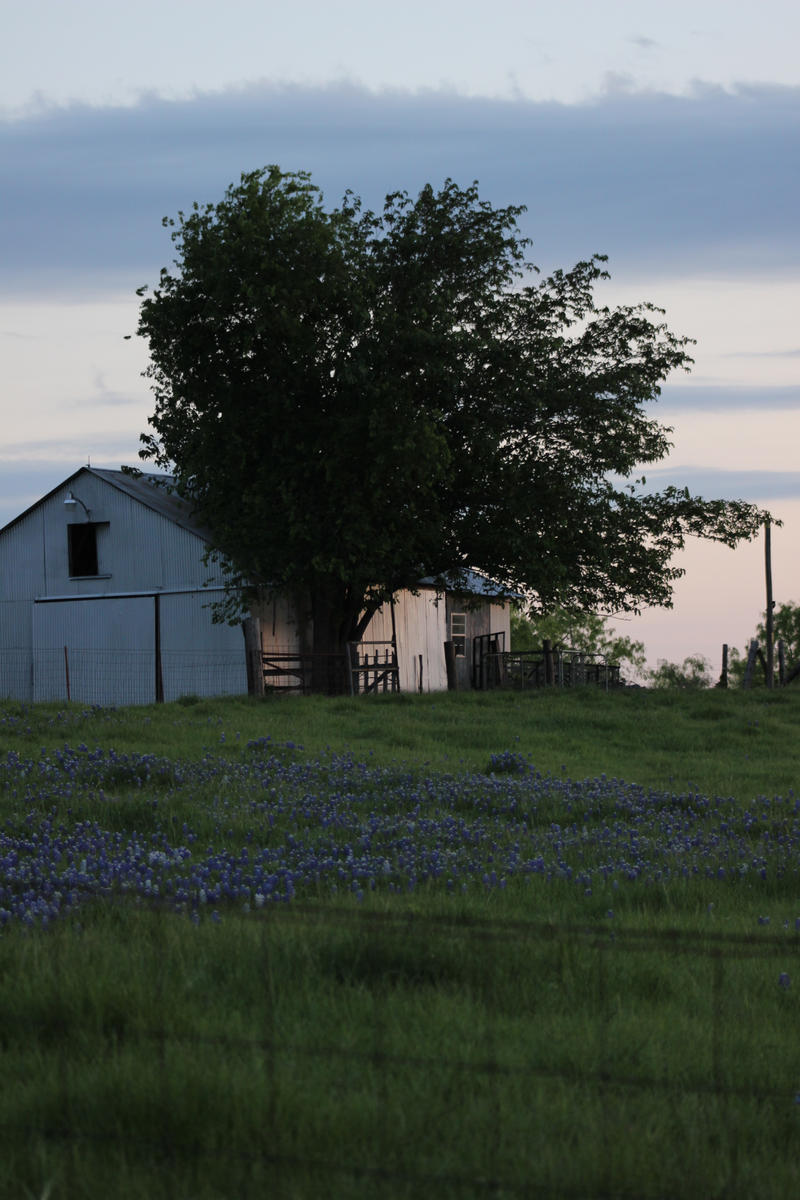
(665, 136)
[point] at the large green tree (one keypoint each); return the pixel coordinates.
(354, 401)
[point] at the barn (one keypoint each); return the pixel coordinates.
(105, 598)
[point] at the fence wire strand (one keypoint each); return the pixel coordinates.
(386, 1169)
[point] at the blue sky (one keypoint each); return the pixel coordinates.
(664, 136)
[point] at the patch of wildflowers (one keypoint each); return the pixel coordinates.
(284, 828)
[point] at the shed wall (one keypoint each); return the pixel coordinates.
(420, 623)
(110, 651)
(107, 648)
(138, 549)
(198, 657)
(110, 638)
(281, 630)
(16, 669)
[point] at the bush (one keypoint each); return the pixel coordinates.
(692, 674)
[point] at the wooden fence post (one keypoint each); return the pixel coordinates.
(752, 655)
(769, 665)
(549, 672)
(723, 677)
(251, 629)
(351, 653)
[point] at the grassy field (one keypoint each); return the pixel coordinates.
(411, 946)
(730, 742)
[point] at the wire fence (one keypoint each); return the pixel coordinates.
(119, 677)
(525, 669)
(390, 952)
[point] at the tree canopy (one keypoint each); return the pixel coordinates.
(354, 401)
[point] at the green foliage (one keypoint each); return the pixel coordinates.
(691, 675)
(587, 632)
(355, 401)
(786, 629)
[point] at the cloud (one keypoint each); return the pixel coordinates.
(660, 183)
(764, 354)
(26, 482)
(105, 396)
(717, 483)
(729, 398)
(66, 454)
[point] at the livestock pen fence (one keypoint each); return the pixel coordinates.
(366, 668)
(521, 670)
(493, 1114)
(143, 676)
(133, 676)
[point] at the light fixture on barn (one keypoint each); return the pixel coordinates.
(72, 500)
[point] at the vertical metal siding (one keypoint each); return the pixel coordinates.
(16, 676)
(110, 642)
(110, 651)
(138, 549)
(198, 657)
(22, 571)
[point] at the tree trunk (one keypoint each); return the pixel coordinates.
(339, 617)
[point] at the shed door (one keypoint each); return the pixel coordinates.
(103, 649)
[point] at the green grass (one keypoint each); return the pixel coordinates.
(507, 1043)
(365, 1056)
(728, 743)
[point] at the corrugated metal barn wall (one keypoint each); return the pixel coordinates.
(101, 649)
(21, 578)
(133, 649)
(108, 633)
(198, 657)
(140, 550)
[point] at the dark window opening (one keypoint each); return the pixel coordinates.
(82, 541)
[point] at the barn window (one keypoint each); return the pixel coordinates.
(82, 544)
(458, 633)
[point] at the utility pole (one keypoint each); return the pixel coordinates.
(770, 604)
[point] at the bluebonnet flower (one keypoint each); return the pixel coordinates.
(338, 823)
